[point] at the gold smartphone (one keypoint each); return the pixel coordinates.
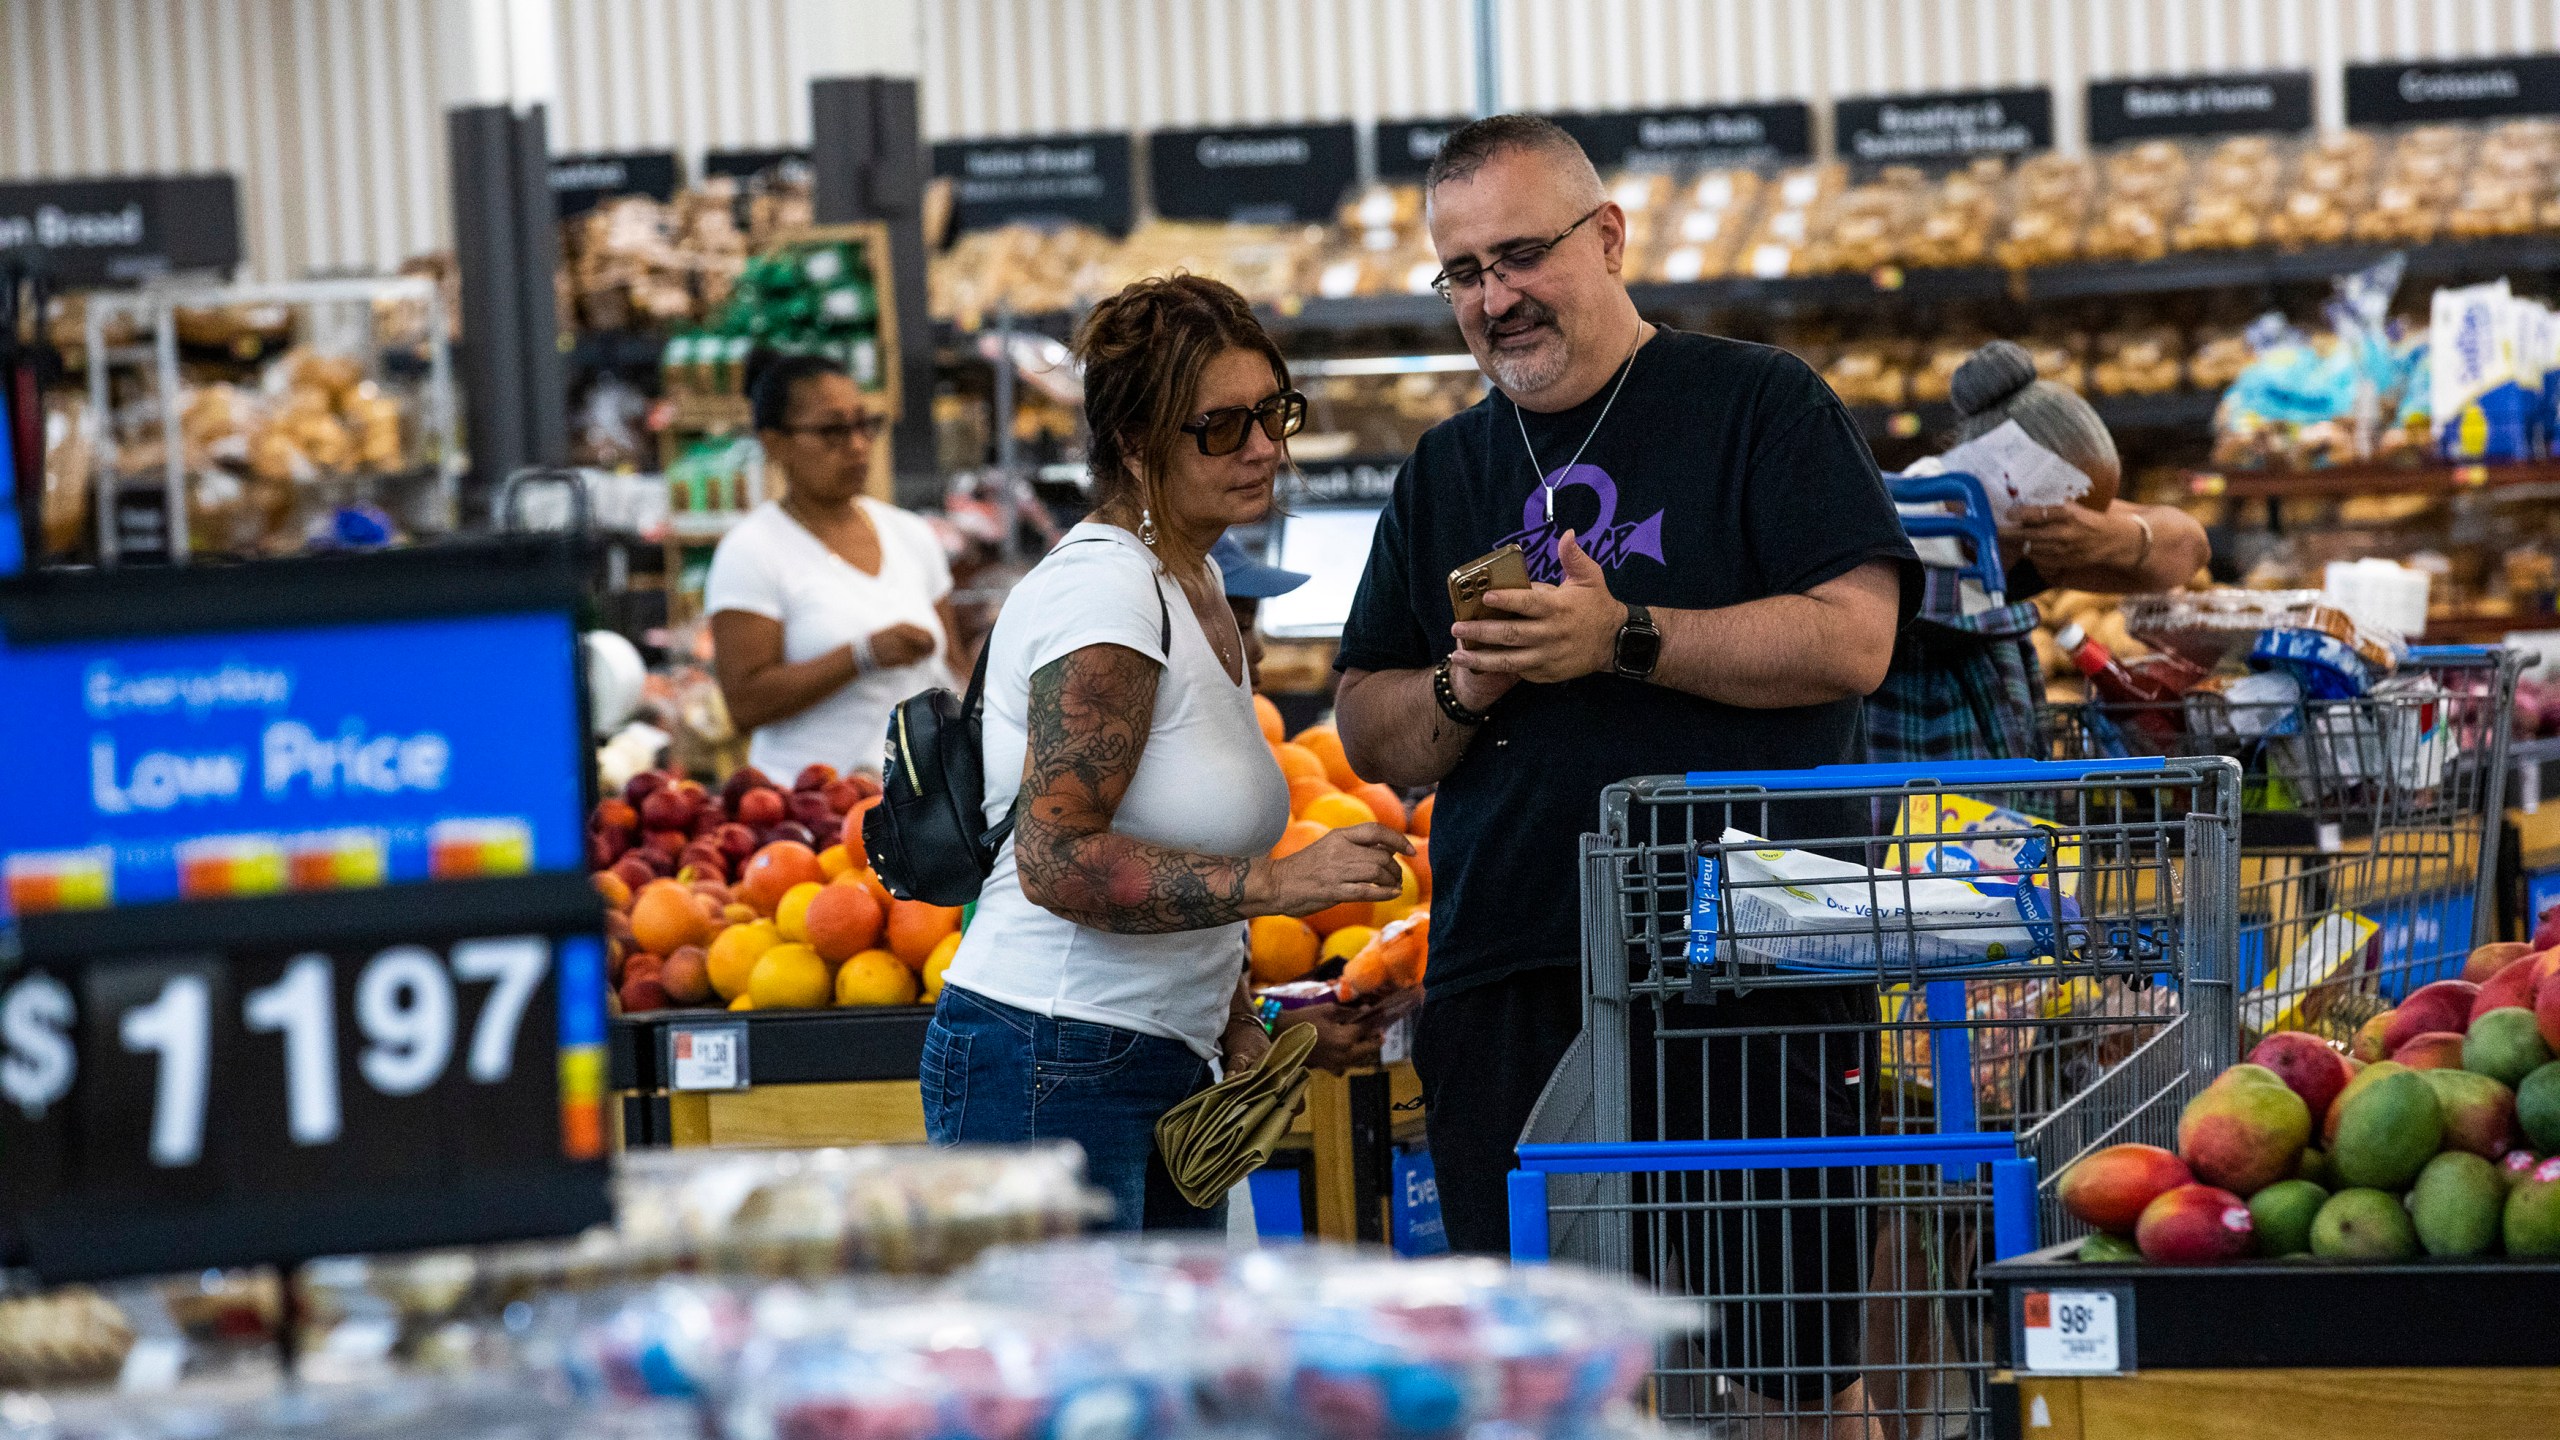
(1504, 569)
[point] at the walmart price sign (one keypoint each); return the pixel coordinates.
(308, 961)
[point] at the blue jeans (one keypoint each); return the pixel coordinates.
(994, 1075)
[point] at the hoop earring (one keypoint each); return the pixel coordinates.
(1146, 527)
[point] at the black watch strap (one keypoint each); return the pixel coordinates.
(1638, 649)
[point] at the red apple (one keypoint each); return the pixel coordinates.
(642, 993)
(759, 809)
(864, 781)
(635, 870)
(841, 794)
(814, 778)
(603, 850)
(794, 831)
(810, 809)
(669, 843)
(646, 784)
(693, 792)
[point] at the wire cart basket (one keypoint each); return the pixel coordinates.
(2369, 835)
(1842, 1028)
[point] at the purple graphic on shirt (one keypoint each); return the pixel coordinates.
(1605, 539)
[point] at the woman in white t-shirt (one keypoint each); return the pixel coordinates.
(1104, 971)
(827, 607)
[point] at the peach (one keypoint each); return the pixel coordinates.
(740, 781)
(666, 810)
(840, 795)
(759, 808)
(686, 977)
(645, 784)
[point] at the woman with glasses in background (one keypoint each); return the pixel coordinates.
(827, 607)
(1104, 973)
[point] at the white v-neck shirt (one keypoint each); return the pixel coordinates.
(1207, 783)
(771, 565)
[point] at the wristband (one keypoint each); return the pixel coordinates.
(864, 662)
(2145, 557)
(1446, 693)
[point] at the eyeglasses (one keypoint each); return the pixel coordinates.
(1519, 260)
(837, 433)
(1222, 432)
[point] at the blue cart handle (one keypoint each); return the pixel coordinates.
(2424, 653)
(1940, 772)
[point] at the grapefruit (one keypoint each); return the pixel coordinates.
(1382, 801)
(1346, 942)
(1325, 743)
(788, 977)
(1336, 812)
(875, 977)
(791, 917)
(1420, 822)
(843, 921)
(773, 870)
(1273, 731)
(665, 918)
(915, 928)
(733, 955)
(1283, 948)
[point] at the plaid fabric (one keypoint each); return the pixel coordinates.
(1961, 689)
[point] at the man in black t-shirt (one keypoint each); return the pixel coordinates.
(1719, 576)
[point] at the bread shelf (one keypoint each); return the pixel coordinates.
(2339, 480)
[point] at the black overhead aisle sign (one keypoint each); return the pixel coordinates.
(747, 164)
(1283, 175)
(1407, 147)
(2274, 100)
(1946, 128)
(1075, 179)
(579, 183)
(1676, 139)
(105, 232)
(2417, 92)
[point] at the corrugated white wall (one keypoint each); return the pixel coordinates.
(331, 110)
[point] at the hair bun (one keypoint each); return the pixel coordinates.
(1991, 377)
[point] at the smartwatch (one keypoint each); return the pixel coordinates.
(1639, 646)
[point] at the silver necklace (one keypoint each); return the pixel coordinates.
(1625, 369)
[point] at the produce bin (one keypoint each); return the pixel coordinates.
(2276, 1349)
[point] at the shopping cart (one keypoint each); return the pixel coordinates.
(1822, 1077)
(2369, 835)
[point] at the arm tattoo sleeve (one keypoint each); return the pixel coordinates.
(1089, 717)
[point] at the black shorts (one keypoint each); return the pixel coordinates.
(1797, 1237)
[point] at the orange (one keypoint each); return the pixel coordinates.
(1326, 745)
(743, 1002)
(1297, 762)
(1334, 812)
(936, 963)
(1269, 715)
(734, 955)
(615, 890)
(1420, 859)
(1420, 823)
(850, 837)
(915, 928)
(1382, 802)
(1349, 912)
(788, 977)
(1283, 948)
(875, 977)
(834, 862)
(1346, 942)
(1304, 790)
(666, 918)
(791, 917)
(773, 870)
(1299, 835)
(843, 921)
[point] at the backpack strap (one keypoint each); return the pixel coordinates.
(974, 704)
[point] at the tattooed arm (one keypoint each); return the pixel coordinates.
(1090, 714)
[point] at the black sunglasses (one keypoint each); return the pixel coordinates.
(1222, 432)
(868, 427)
(1518, 260)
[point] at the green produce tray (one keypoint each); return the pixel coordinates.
(2263, 1314)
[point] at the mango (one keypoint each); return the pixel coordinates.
(2517, 1165)
(2307, 1064)
(2368, 1046)
(2110, 1189)
(2338, 1107)
(2195, 1225)
(2479, 1113)
(2363, 1225)
(2546, 1005)
(2532, 1221)
(2245, 1132)
(2105, 1249)
(2511, 986)
(2444, 1005)
(2538, 1107)
(2435, 1050)
(2458, 1205)
(2315, 1168)
(2387, 1131)
(2486, 961)
(2505, 1046)
(2282, 1215)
